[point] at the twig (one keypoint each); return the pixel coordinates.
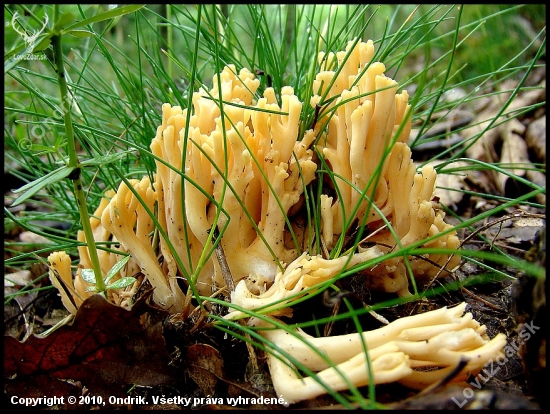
(472, 294)
(220, 255)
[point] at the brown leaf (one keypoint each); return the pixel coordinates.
(514, 150)
(535, 137)
(205, 367)
(20, 278)
(30, 237)
(105, 348)
(518, 232)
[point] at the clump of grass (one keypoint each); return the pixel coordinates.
(120, 70)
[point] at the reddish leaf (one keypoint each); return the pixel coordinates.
(105, 348)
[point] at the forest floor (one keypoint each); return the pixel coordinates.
(204, 367)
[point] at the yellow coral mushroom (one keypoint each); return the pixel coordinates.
(417, 351)
(303, 273)
(238, 165)
(128, 221)
(367, 125)
(251, 168)
(233, 169)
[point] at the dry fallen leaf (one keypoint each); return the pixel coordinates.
(535, 137)
(20, 278)
(513, 152)
(30, 237)
(106, 348)
(516, 232)
(483, 148)
(205, 366)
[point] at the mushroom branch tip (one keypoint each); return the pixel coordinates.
(61, 277)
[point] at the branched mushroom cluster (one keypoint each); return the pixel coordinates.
(365, 145)
(239, 170)
(416, 351)
(232, 171)
(244, 171)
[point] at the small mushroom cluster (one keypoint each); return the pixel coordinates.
(417, 351)
(239, 170)
(365, 145)
(231, 174)
(244, 170)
